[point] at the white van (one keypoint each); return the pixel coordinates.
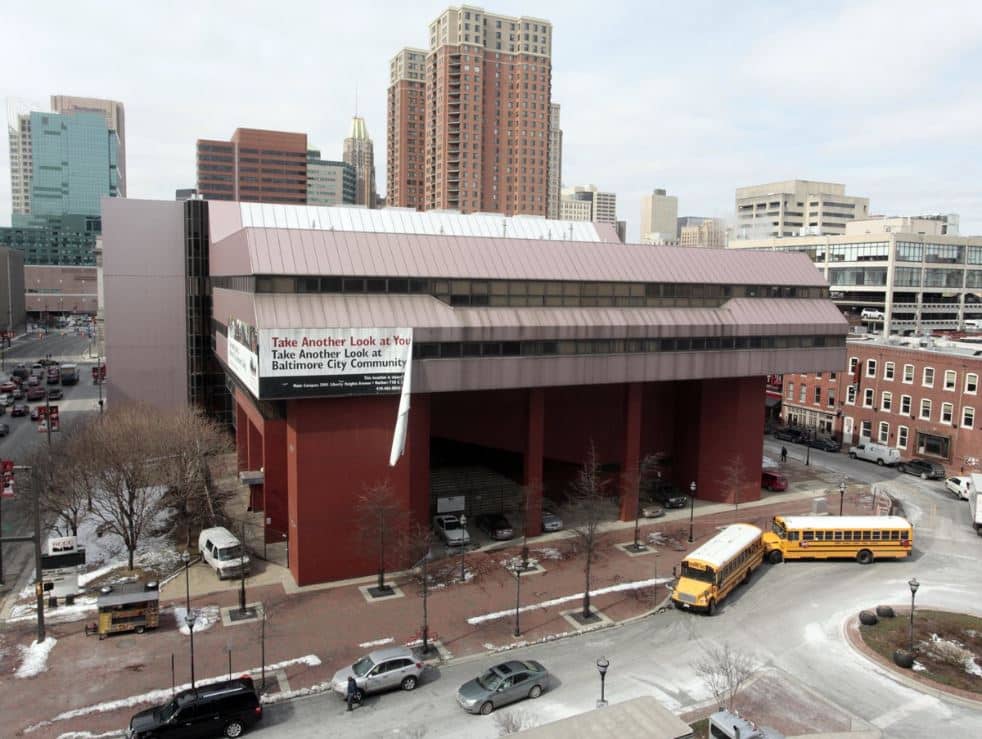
(872, 314)
(223, 552)
(871, 452)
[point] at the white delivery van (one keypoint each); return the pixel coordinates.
(223, 552)
(975, 505)
(872, 452)
(872, 314)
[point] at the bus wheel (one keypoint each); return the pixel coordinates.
(711, 609)
(864, 556)
(746, 577)
(775, 557)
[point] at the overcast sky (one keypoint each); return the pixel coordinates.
(696, 97)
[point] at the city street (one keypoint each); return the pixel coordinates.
(790, 618)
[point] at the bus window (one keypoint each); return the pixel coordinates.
(837, 536)
(808, 535)
(867, 535)
(847, 535)
(779, 530)
(706, 575)
(895, 535)
(793, 535)
(857, 535)
(876, 536)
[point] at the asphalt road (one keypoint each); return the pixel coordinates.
(790, 618)
(80, 402)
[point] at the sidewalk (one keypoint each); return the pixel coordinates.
(314, 630)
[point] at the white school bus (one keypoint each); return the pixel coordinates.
(832, 537)
(710, 572)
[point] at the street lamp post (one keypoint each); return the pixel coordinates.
(842, 495)
(602, 664)
(463, 526)
(914, 585)
(188, 616)
(808, 454)
(692, 507)
(518, 599)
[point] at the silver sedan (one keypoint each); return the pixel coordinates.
(503, 684)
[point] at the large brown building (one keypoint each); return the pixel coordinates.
(486, 87)
(255, 166)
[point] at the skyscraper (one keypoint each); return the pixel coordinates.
(405, 125)
(359, 152)
(554, 184)
(486, 128)
(587, 203)
(796, 207)
(659, 218)
(255, 166)
(329, 182)
(115, 116)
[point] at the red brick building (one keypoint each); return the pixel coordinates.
(255, 166)
(918, 395)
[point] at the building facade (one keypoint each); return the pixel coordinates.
(406, 124)
(795, 208)
(659, 216)
(60, 290)
(894, 282)
(12, 312)
(254, 166)
(587, 203)
(555, 183)
(329, 182)
(115, 115)
(359, 152)
(918, 395)
(710, 232)
(487, 93)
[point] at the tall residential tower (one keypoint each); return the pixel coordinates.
(486, 115)
(406, 125)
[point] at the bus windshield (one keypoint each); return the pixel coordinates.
(706, 575)
(778, 528)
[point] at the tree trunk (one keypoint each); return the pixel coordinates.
(131, 551)
(381, 552)
(586, 590)
(426, 624)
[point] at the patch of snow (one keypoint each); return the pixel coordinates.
(548, 553)
(918, 667)
(204, 618)
(545, 639)
(34, 659)
(96, 573)
(298, 693)
(84, 605)
(514, 563)
(164, 694)
(768, 462)
(635, 585)
(376, 642)
(90, 735)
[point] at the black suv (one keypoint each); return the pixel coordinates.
(923, 468)
(220, 709)
(791, 434)
(666, 494)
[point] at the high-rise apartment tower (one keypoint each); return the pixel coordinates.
(255, 166)
(406, 126)
(487, 83)
(555, 183)
(359, 152)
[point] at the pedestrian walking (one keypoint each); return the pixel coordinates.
(352, 691)
(784, 454)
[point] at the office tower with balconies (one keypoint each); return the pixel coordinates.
(115, 115)
(487, 83)
(255, 166)
(554, 183)
(329, 182)
(796, 208)
(359, 152)
(659, 218)
(406, 122)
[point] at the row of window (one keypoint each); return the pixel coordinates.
(927, 444)
(927, 375)
(874, 535)
(508, 292)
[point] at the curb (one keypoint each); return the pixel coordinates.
(852, 638)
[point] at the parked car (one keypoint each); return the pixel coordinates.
(448, 528)
(824, 444)
(960, 486)
(7, 387)
(871, 452)
(496, 526)
(6, 399)
(33, 381)
(21, 372)
(383, 669)
(923, 468)
(18, 393)
(652, 510)
(551, 521)
(773, 480)
(55, 393)
(35, 413)
(666, 494)
(36, 393)
(791, 434)
(19, 409)
(4, 429)
(229, 708)
(503, 684)
(223, 552)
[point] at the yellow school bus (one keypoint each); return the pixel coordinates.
(831, 537)
(710, 572)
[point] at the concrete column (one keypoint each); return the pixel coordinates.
(532, 473)
(241, 436)
(274, 489)
(255, 456)
(632, 451)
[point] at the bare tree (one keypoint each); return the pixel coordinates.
(514, 721)
(379, 521)
(734, 479)
(588, 507)
(62, 480)
(125, 447)
(417, 547)
(191, 442)
(725, 671)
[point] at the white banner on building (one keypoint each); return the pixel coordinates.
(243, 357)
(333, 361)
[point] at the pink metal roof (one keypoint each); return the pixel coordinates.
(744, 316)
(283, 251)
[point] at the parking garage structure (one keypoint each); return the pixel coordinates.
(516, 350)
